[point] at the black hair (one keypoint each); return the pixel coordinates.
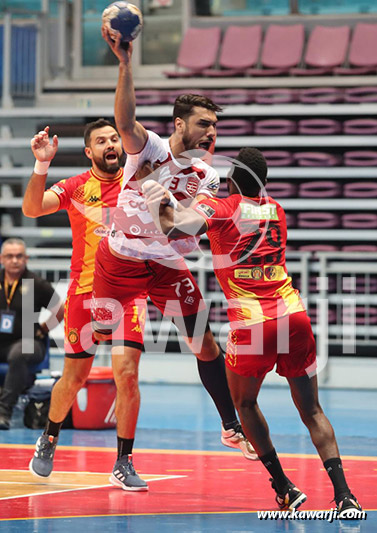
(97, 124)
(184, 104)
(248, 182)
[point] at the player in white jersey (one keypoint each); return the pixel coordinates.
(147, 266)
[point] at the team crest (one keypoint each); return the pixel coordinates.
(73, 336)
(192, 186)
(257, 273)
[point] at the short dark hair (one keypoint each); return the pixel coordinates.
(97, 124)
(184, 104)
(250, 183)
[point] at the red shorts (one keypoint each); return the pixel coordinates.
(172, 289)
(78, 331)
(287, 342)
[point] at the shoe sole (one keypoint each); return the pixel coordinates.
(114, 481)
(35, 473)
(298, 501)
(234, 445)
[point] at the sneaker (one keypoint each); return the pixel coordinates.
(291, 499)
(235, 438)
(125, 476)
(42, 461)
(348, 507)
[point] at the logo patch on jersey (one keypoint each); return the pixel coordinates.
(242, 273)
(259, 212)
(94, 199)
(101, 231)
(213, 186)
(73, 336)
(57, 189)
(192, 185)
(206, 209)
(274, 273)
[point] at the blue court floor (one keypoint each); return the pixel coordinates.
(182, 418)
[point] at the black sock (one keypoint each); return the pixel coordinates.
(272, 463)
(124, 447)
(334, 468)
(53, 428)
(212, 375)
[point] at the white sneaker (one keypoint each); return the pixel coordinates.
(235, 438)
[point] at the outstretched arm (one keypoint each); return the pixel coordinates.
(37, 201)
(176, 222)
(133, 134)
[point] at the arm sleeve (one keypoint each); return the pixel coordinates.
(63, 190)
(210, 185)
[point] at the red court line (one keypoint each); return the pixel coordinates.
(212, 483)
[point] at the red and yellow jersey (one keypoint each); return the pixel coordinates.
(248, 240)
(88, 200)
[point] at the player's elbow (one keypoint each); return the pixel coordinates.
(29, 211)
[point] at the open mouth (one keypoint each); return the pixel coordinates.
(111, 157)
(205, 145)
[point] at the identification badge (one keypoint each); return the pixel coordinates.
(7, 321)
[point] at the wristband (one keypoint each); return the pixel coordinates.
(173, 202)
(41, 167)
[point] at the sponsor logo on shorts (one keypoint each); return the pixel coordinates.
(206, 209)
(192, 186)
(73, 336)
(189, 300)
(57, 189)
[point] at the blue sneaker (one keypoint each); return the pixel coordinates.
(43, 460)
(125, 476)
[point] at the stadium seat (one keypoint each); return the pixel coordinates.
(319, 189)
(218, 314)
(360, 189)
(359, 220)
(275, 126)
(291, 220)
(232, 96)
(362, 54)
(318, 248)
(360, 126)
(149, 97)
(320, 95)
(155, 125)
(360, 95)
(275, 96)
(326, 49)
(239, 51)
(282, 50)
(281, 189)
(317, 219)
(360, 158)
(237, 126)
(360, 248)
(197, 52)
(319, 126)
(278, 158)
(316, 159)
(363, 315)
(171, 96)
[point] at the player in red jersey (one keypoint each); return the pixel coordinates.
(269, 325)
(134, 259)
(88, 199)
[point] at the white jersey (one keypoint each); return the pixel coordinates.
(134, 233)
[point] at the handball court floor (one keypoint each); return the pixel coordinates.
(195, 484)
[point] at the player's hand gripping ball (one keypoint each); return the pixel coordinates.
(123, 18)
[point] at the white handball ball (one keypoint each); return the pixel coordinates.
(123, 18)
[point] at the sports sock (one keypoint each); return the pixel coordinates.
(334, 468)
(212, 375)
(272, 463)
(124, 447)
(53, 428)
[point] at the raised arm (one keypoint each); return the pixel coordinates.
(133, 134)
(37, 201)
(169, 216)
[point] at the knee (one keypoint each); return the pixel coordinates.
(245, 404)
(310, 413)
(205, 348)
(73, 381)
(127, 378)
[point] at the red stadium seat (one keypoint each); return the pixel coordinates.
(278, 158)
(319, 189)
(326, 49)
(281, 189)
(360, 126)
(275, 126)
(317, 219)
(275, 96)
(360, 95)
(360, 158)
(234, 127)
(321, 95)
(232, 96)
(360, 189)
(316, 159)
(362, 55)
(319, 126)
(239, 51)
(360, 248)
(197, 52)
(318, 248)
(359, 220)
(282, 50)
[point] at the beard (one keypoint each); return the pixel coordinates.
(110, 167)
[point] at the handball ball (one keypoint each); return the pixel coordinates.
(123, 18)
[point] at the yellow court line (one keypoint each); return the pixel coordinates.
(185, 452)
(154, 514)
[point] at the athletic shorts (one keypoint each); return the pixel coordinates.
(78, 332)
(170, 286)
(287, 342)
